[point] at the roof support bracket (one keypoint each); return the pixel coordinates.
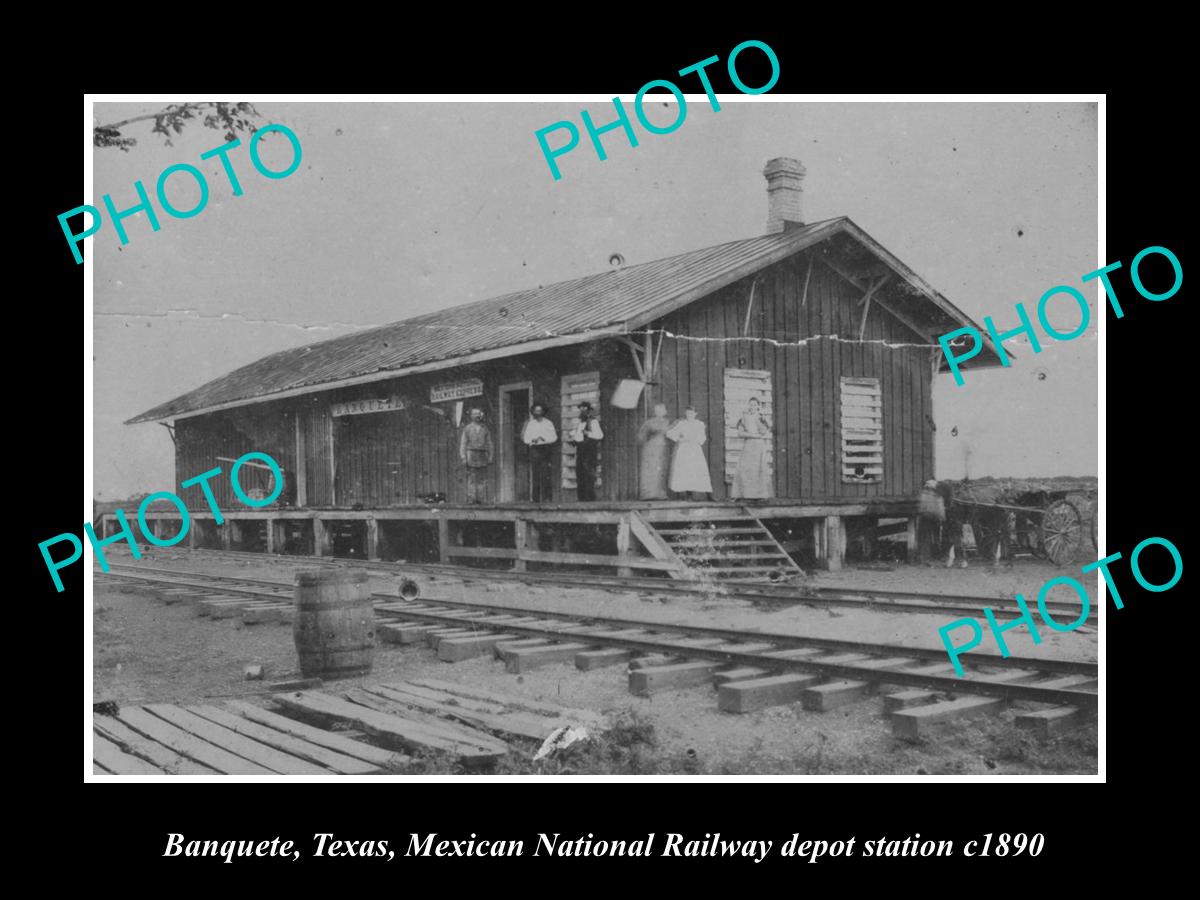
(636, 352)
(807, 277)
(749, 307)
(923, 331)
(865, 302)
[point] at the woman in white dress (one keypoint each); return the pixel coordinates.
(689, 468)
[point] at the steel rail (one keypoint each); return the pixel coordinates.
(847, 670)
(774, 595)
(442, 611)
(781, 639)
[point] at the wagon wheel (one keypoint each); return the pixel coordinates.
(1061, 531)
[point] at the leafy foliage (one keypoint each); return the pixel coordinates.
(699, 547)
(231, 118)
(108, 136)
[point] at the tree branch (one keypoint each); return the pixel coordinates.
(233, 117)
(116, 125)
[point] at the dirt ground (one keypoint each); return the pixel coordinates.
(146, 651)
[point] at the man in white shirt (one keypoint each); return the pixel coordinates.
(586, 436)
(540, 437)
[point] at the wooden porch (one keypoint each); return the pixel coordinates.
(671, 538)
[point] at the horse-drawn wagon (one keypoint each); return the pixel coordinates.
(1047, 517)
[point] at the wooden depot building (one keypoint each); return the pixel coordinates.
(835, 336)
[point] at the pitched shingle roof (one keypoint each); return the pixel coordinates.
(611, 302)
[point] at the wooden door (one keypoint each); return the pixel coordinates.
(512, 454)
(740, 386)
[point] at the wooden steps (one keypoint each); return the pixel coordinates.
(729, 530)
(725, 545)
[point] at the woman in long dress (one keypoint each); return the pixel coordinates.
(689, 468)
(750, 479)
(652, 438)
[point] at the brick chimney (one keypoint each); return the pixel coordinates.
(784, 193)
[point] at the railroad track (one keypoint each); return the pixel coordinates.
(771, 596)
(752, 669)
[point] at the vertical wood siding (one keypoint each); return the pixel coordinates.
(203, 440)
(392, 458)
(806, 378)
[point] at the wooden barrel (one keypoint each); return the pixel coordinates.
(334, 626)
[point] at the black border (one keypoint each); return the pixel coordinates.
(1146, 492)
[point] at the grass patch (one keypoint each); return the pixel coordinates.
(631, 747)
(1067, 753)
(628, 747)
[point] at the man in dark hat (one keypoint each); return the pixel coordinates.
(541, 438)
(586, 436)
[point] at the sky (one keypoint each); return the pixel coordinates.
(402, 208)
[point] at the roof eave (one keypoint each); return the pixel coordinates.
(988, 358)
(802, 240)
(157, 414)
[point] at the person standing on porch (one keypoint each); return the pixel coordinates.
(750, 481)
(656, 455)
(689, 468)
(540, 436)
(476, 450)
(586, 436)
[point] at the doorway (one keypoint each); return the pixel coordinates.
(510, 450)
(755, 477)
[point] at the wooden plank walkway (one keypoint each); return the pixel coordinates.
(236, 738)
(472, 746)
